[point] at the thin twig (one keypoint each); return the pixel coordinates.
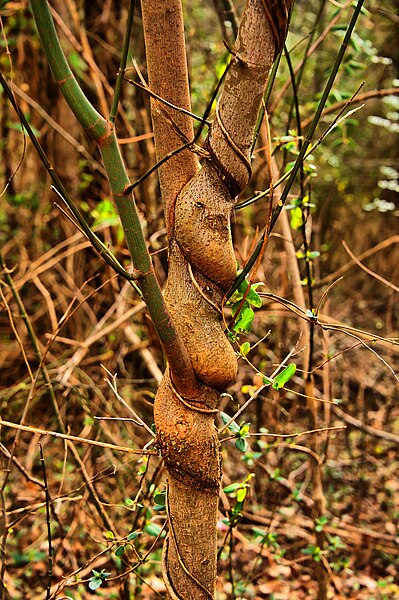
(49, 537)
(367, 270)
(74, 438)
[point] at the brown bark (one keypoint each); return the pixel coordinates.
(198, 206)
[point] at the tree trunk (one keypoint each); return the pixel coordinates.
(202, 266)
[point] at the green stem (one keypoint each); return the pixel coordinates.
(302, 153)
(102, 131)
(266, 96)
(269, 87)
(122, 66)
(94, 124)
(98, 245)
(319, 110)
(301, 71)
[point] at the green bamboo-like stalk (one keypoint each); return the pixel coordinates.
(59, 188)
(103, 132)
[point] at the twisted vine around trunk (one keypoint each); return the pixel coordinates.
(198, 206)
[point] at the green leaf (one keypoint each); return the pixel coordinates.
(237, 508)
(244, 430)
(276, 475)
(244, 321)
(109, 535)
(95, 583)
(233, 487)
(296, 218)
(120, 551)
(238, 307)
(286, 374)
(160, 497)
(105, 213)
(239, 292)
(159, 507)
(253, 298)
(267, 381)
(20, 127)
(153, 529)
(241, 445)
(233, 426)
(132, 536)
(241, 494)
(321, 522)
(245, 348)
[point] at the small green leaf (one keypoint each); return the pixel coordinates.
(225, 417)
(109, 535)
(241, 494)
(239, 292)
(244, 321)
(244, 430)
(276, 474)
(243, 286)
(241, 445)
(132, 536)
(238, 307)
(233, 427)
(95, 583)
(159, 507)
(296, 218)
(233, 487)
(120, 551)
(253, 298)
(159, 497)
(237, 508)
(245, 348)
(153, 529)
(286, 374)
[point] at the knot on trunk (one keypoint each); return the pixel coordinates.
(187, 436)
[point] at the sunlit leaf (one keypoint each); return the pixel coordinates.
(286, 374)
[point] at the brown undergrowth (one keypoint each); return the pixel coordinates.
(89, 326)
(100, 322)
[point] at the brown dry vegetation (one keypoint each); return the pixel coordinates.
(89, 325)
